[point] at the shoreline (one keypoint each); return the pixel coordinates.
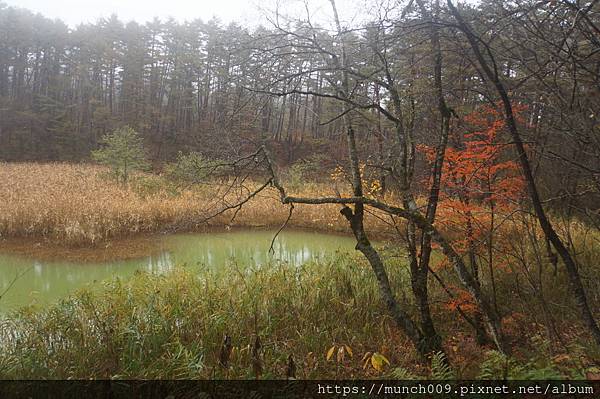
(123, 248)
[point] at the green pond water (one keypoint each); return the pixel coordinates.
(44, 282)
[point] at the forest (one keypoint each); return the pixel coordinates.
(447, 152)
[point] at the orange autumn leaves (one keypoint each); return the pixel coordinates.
(479, 169)
(481, 184)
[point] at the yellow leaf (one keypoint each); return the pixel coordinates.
(330, 352)
(349, 350)
(378, 361)
(384, 359)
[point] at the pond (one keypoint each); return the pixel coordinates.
(44, 282)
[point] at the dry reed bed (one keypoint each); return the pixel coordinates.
(75, 204)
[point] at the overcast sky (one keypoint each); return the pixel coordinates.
(247, 12)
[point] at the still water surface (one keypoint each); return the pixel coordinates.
(47, 281)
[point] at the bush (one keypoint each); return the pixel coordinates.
(305, 170)
(193, 168)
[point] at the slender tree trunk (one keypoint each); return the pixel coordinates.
(356, 219)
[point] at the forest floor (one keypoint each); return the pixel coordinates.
(172, 325)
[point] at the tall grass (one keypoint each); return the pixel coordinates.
(77, 205)
(172, 326)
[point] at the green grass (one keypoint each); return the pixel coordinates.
(172, 326)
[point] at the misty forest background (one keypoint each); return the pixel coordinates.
(192, 86)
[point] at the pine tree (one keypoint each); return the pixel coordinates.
(123, 152)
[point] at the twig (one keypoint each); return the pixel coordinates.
(14, 280)
(271, 250)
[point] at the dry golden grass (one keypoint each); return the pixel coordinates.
(75, 204)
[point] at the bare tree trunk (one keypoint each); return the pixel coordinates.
(356, 220)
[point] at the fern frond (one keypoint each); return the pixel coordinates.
(400, 373)
(440, 369)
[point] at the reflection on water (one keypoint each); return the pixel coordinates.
(45, 282)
